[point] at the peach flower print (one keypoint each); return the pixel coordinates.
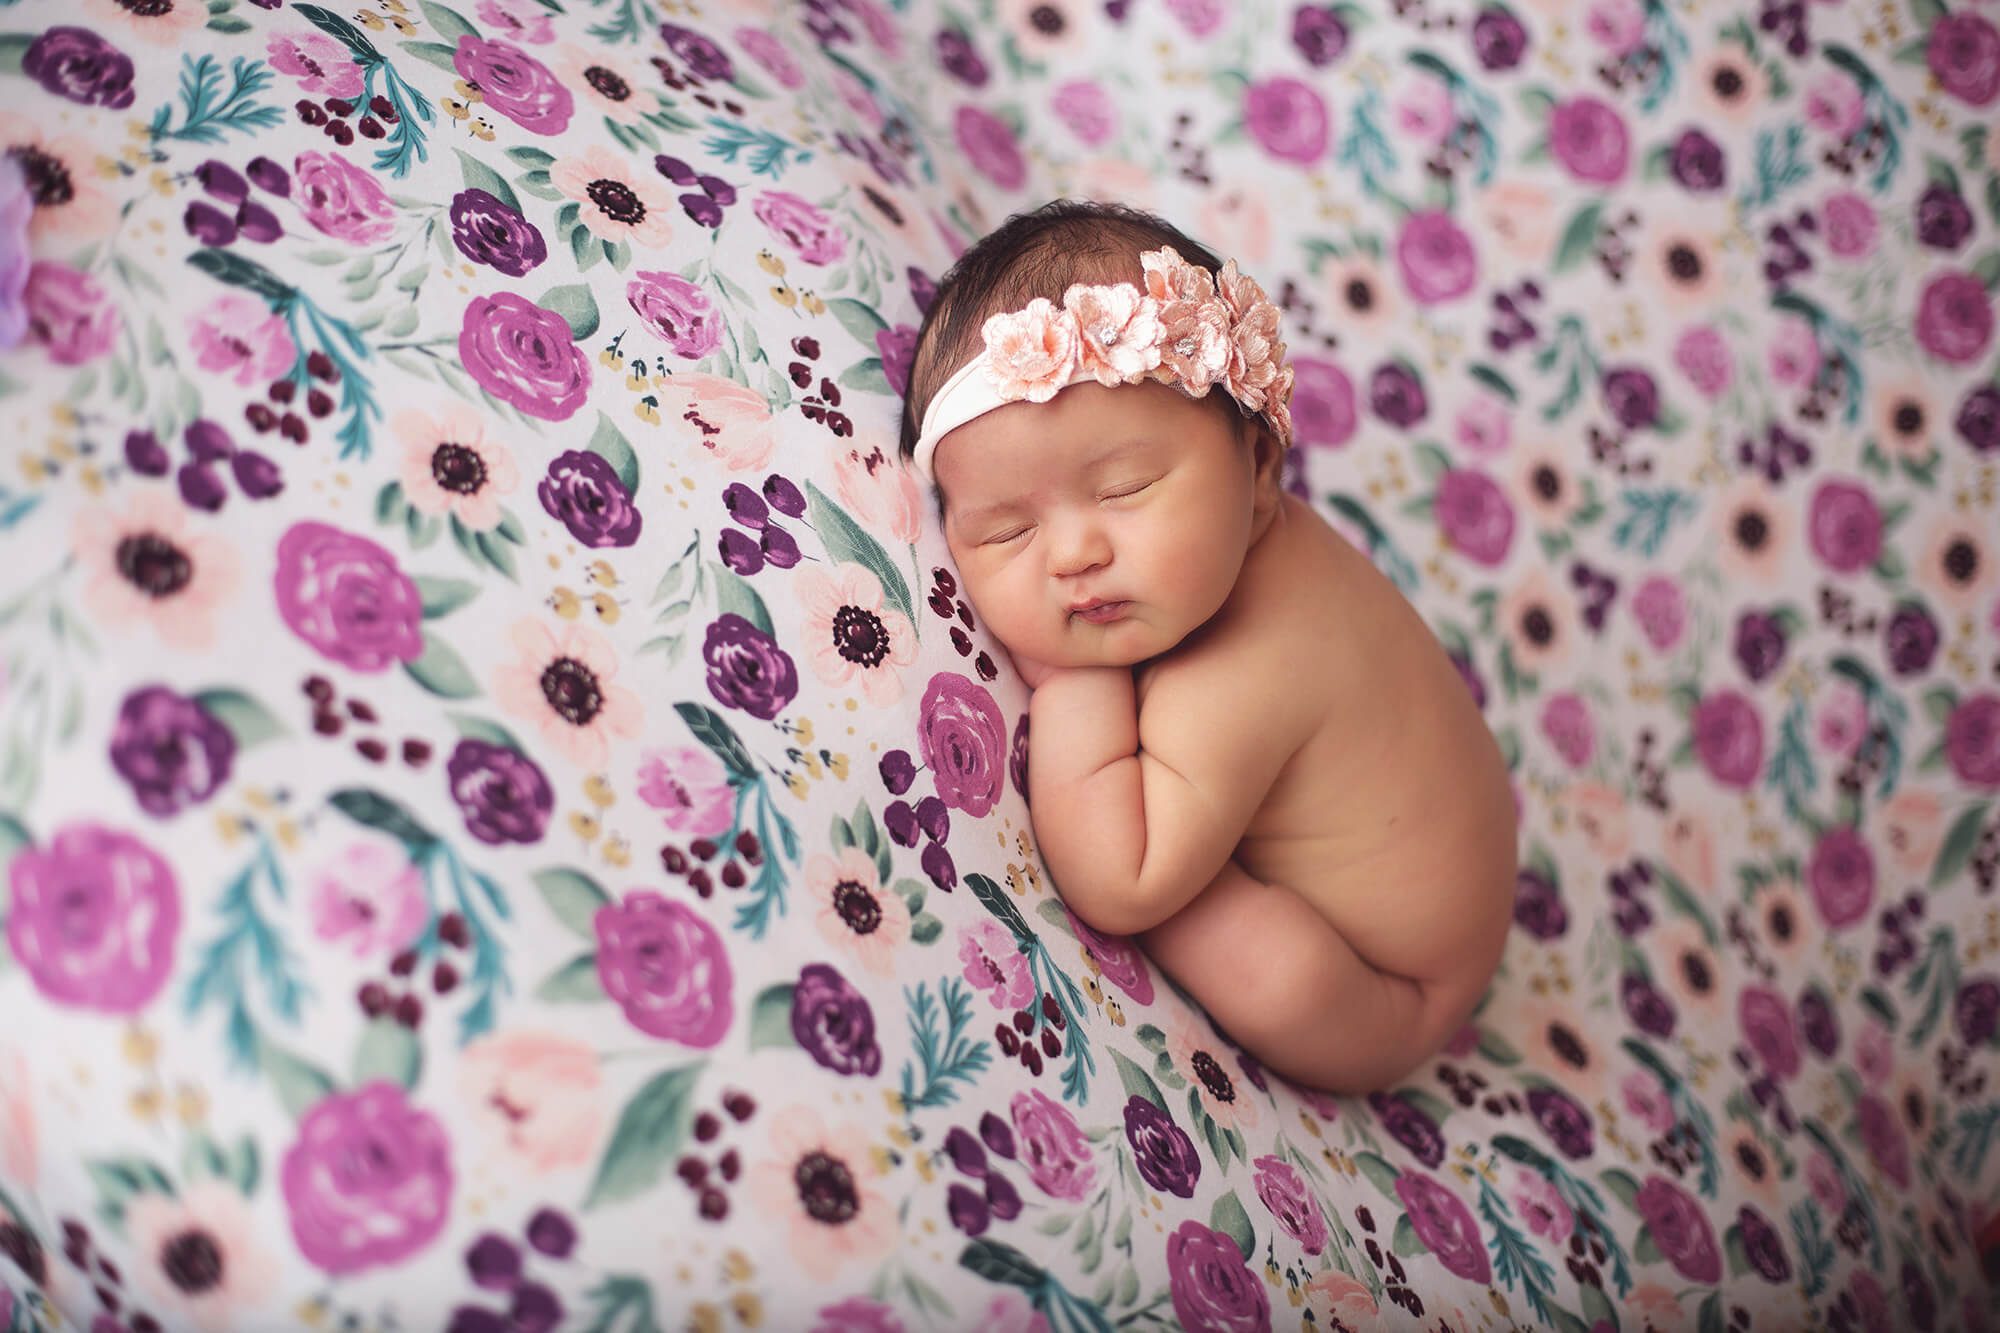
(208, 1230)
(451, 466)
(565, 685)
(853, 634)
(816, 1185)
(539, 1093)
(730, 420)
(145, 568)
(1211, 1067)
(855, 911)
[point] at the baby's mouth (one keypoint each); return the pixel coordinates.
(1100, 612)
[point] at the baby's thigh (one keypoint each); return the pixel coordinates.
(1246, 949)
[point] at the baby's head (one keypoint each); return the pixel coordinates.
(1102, 406)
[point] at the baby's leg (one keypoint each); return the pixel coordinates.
(1281, 980)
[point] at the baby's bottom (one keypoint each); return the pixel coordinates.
(1284, 983)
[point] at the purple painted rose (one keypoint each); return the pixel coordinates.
(1053, 1148)
(1975, 1011)
(1396, 395)
(1964, 54)
(1650, 1011)
(1911, 639)
(487, 231)
(1818, 1023)
(1161, 1149)
(503, 795)
(833, 1023)
(897, 346)
(771, 54)
(1538, 908)
(677, 311)
(1631, 396)
(1498, 39)
(1760, 644)
(1841, 875)
(989, 145)
(524, 355)
(748, 670)
(1435, 257)
(1762, 1245)
(1882, 1135)
(515, 84)
(1017, 759)
(346, 597)
(1323, 414)
(1729, 738)
(1943, 218)
(93, 918)
(963, 740)
(1288, 119)
(1213, 1289)
(1955, 318)
(1410, 1126)
(1978, 419)
(77, 64)
(1444, 1224)
(342, 200)
(1475, 515)
(172, 750)
(1564, 1120)
(1681, 1229)
(585, 493)
(1589, 139)
(1120, 960)
(811, 234)
(1285, 1194)
(666, 967)
(1319, 34)
(1767, 1029)
(960, 59)
(369, 1181)
(1844, 526)
(1697, 162)
(703, 58)
(1972, 740)
(1567, 722)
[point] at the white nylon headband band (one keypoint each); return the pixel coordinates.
(1187, 328)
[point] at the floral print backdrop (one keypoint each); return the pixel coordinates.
(510, 822)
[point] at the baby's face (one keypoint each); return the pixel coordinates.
(1104, 526)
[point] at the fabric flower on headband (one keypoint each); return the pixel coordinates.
(1183, 327)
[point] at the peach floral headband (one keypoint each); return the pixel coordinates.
(1186, 328)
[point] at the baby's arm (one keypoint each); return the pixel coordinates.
(1133, 832)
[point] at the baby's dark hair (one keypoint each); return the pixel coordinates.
(1038, 253)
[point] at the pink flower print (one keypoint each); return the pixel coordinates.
(521, 23)
(731, 421)
(369, 1181)
(322, 66)
(370, 896)
(1647, 1101)
(1538, 1204)
(1834, 103)
(994, 962)
(1851, 226)
(93, 918)
(852, 633)
(1702, 354)
(1617, 25)
(239, 336)
(1843, 720)
(1484, 425)
(341, 199)
(884, 496)
(1118, 331)
(1031, 354)
(1566, 721)
(690, 788)
(1794, 351)
(1423, 112)
(68, 312)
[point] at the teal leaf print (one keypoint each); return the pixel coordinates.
(387, 1050)
(650, 1132)
(1579, 237)
(248, 721)
(944, 1057)
(857, 318)
(709, 728)
(578, 309)
(441, 596)
(209, 112)
(847, 540)
(575, 982)
(607, 441)
(119, 1179)
(1650, 516)
(1137, 1082)
(573, 897)
(447, 23)
(734, 595)
(997, 1261)
(1955, 852)
(1228, 1217)
(383, 814)
(771, 1017)
(299, 1083)
(622, 1303)
(442, 671)
(479, 729)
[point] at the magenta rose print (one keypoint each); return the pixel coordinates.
(1052, 1146)
(1445, 1225)
(515, 84)
(1680, 1228)
(368, 1182)
(1213, 1289)
(1291, 1203)
(963, 740)
(524, 356)
(93, 917)
(665, 967)
(347, 598)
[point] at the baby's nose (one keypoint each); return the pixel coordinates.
(1078, 548)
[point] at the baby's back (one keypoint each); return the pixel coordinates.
(1395, 794)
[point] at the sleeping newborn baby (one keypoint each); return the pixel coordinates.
(1247, 749)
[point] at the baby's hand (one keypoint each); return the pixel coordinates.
(1033, 673)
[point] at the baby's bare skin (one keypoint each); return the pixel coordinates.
(1292, 800)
